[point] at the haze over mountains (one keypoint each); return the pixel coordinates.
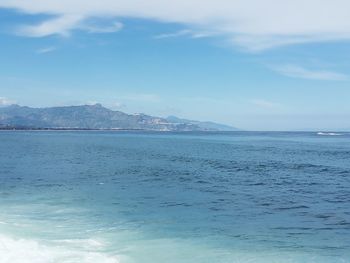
(96, 117)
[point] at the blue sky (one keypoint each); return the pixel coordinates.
(271, 67)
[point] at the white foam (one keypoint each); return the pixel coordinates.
(329, 134)
(83, 243)
(14, 250)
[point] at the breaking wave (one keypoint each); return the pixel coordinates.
(19, 250)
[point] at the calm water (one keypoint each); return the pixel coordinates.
(158, 197)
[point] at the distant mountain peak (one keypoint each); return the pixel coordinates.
(96, 116)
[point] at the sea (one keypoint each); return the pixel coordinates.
(162, 197)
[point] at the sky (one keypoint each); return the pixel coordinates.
(253, 64)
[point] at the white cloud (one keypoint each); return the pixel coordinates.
(6, 102)
(252, 24)
(45, 50)
(295, 71)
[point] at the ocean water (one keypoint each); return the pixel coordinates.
(112, 197)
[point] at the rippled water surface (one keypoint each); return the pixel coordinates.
(161, 197)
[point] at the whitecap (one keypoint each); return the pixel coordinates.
(13, 250)
(329, 134)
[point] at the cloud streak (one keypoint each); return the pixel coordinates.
(295, 71)
(180, 33)
(255, 25)
(93, 28)
(185, 33)
(45, 50)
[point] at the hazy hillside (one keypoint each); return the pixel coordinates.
(96, 117)
(205, 125)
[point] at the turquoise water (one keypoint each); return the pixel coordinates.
(162, 197)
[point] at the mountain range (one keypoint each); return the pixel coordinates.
(96, 117)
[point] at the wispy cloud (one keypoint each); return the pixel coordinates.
(296, 71)
(253, 24)
(57, 26)
(6, 102)
(64, 24)
(45, 50)
(179, 33)
(257, 43)
(185, 33)
(96, 28)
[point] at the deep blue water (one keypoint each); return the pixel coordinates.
(166, 197)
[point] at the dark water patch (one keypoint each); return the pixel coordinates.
(291, 208)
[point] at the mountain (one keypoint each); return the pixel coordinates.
(203, 125)
(93, 117)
